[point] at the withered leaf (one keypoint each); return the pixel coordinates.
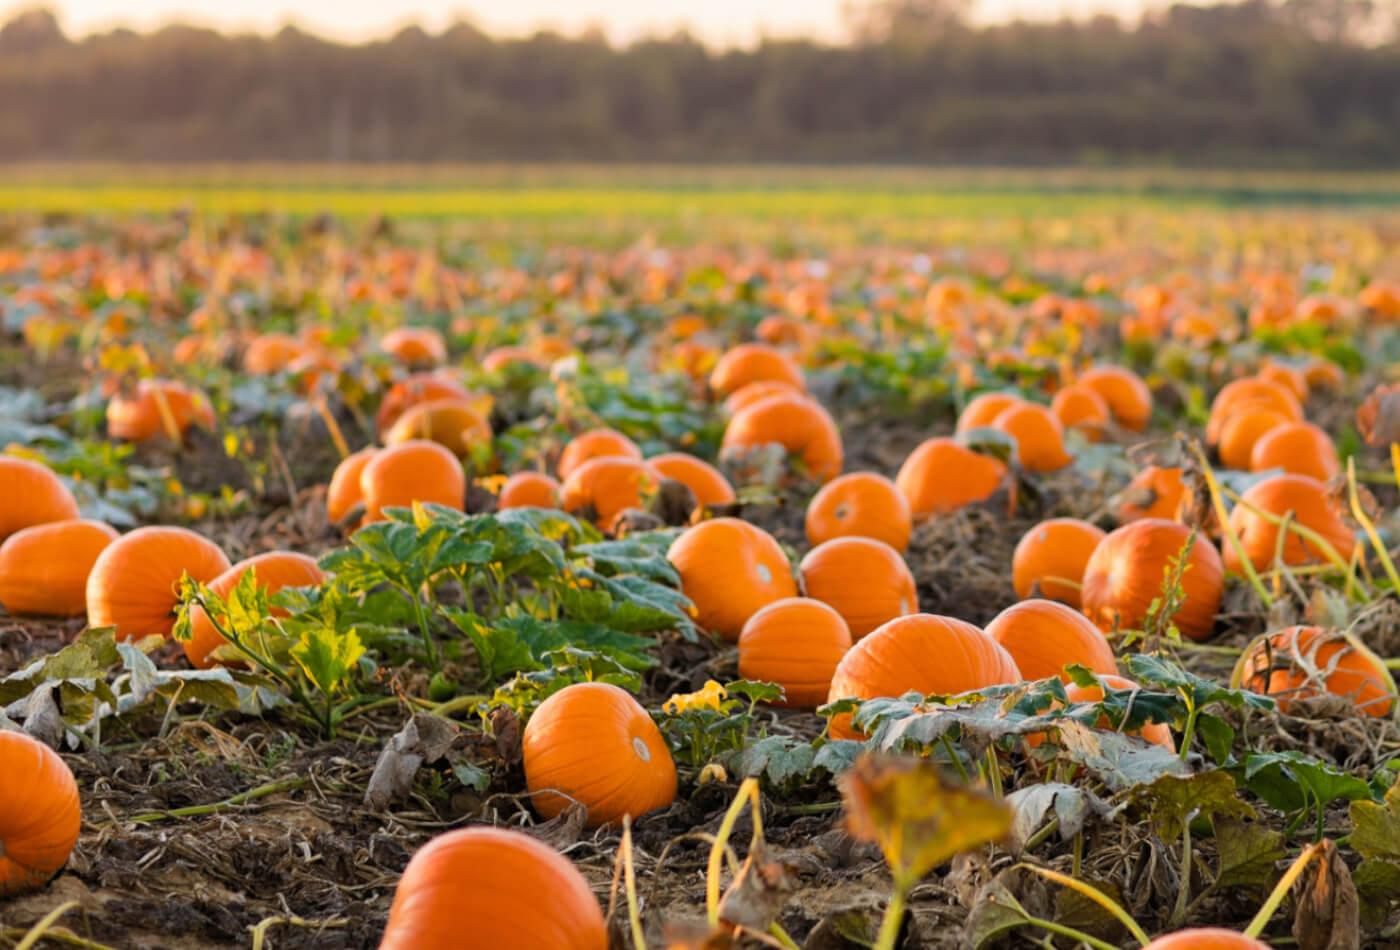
(1174, 801)
(759, 891)
(1328, 915)
(1249, 853)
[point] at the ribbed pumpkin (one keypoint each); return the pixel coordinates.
(941, 476)
(30, 494)
(344, 492)
(528, 490)
(922, 653)
(595, 443)
(452, 423)
(1043, 637)
(750, 393)
(798, 424)
(421, 387)
(603, 488)
(705, 482)
(1125, 574)
(1301, 662)
(982, 410)
(729, 569)
(133, 583)
(40, 817)
(1206, 938)
(412, 471)
(1052, 556)
(1299, 448)
(271, 353)
(138, 416)
(866, 581)
(1251, 391)
(1127, 395)
(796, 643)
(1157, 733)
(1307, 500)
(1040, 442)
(1079, 407)
(415, 347)
(751, 362)
(504, 888)
(1156, 492)
(1242, 429)
(44, 569)
(595, 744)
(859, 504)
(273, 571)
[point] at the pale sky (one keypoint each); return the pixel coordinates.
(718, 22)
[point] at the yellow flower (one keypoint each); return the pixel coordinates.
(708, 697)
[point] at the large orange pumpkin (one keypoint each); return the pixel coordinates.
(31, 494)
(798, 424)
(922, 653)
(705, 482)
(1156, 492)
(866, 581)
(1301, 662)
(594, 744)
(1251, 391)
(504, 888)
(134, 582)
(1079, 407)
(795, 643)
(729, 569)
(1307, 501)
(138, 417)
(1299, 448)
(603, 488)
(859, 504)
(1040, 444)
(751, 362)
(1052, 556)
(344, 492)
(273, 571)
(1044, 637)
(983, 409)
(595, 443)
(1243, 429)
(750, 393)
(40, 817)
(1127, 395)
(452, 423)
(419, 387)
(415, 347)
(1126, 571)
(1206, 938)
(411, 471)
(44, 569)
(528, 490)
(942, 475)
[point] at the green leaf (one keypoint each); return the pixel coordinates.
(1219, 736)
(755, 691)
(1174, 801)
(1376, 827)
(471, 775)
(327, 656)
(1119, 761)
(778, 759)
(1197, 690)
(1280, 778)
(838, 755)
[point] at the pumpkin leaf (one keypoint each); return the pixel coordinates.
(1290, 781)
(327, 656)
(1119, 761)
(1250, 853)
(777, 759)
(1376, 827)
(1196, 690)
(1171, 802)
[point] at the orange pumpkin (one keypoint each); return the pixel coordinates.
(1382, 299)
(1044, 637)
(271, 353)
(983, 409)
(750, 362)
(942, 475)
(415, 347)
(134, 582)
(1302, 662)
(1157, 733)
(1206, 938)
(272, 571)
(1079, 407)
(798, 424)
(1052, 556)
(44, 569)
(860, 504)
(750, 393)
(595, 443)
(1324, 374)
(1249, 392)
(1039, 437)
(921, 653)
(1307, 501)
(139, 416)
(603, 488)
(705, 482)
(512, 889)
(1127, 395)
(415, 389)
(344, 492)
(866, 581)
(1156, 492)
(1299, 448)
(1125, 575)
(1289, 377)
(452, 423)
(528, 490)
(729, 569)
(41, 817)
(594, 744)
(31, 494)
(796, 643)
(411, 471)
(503, 357)
(1244, 427)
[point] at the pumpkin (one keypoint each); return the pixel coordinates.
(860, 504)
(603, 488)
(728, 570)
(1302, 662)
(1289, 377)
(922, 653)
(31, 494)
(750, 393)
(528, 490)
(1250, 391)
(1039, 437)
(415, 347)
(705, 482)
(139, 416)
(942, 475)
(513, 889)
(41, 818)
(421, 387)
(1206, 938)
(1125, 574)
(594, 744)
(504, 357)
(751, 362)
(796, 643)
(1156, 492)
(1051, 557)
(1127, 395)
(595, 443)
(1299, 448)
(1157, 733)
(779, 330)
(1043, 637)
(1382, 299)
(802, 427)
(44, 569)
(1310, 506)
(344, 491)
(983, 409)
(134, 582)
(866, 581)
(452, 423)
(1079, 407)
(272, 571)
(271, 353)
(1324, 374)
(1246, 426)
(412, 471)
